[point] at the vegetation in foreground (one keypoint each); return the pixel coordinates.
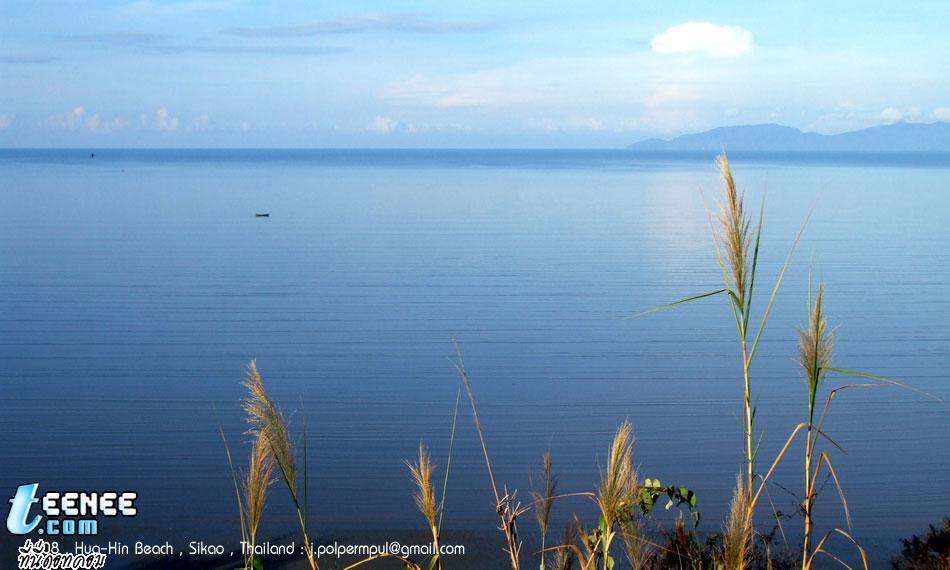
(624, 535)
(928, 552)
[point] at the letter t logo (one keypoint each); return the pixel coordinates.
(20, 510)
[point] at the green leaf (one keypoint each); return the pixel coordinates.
(883, 380)
(448, 464)
(755, 263)
(610, 562)
(674, 303)
(778, 284)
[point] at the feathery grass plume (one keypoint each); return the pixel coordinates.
(734, 232)
(617, 496)
(268, 423)
(421, 473)
(257, 482)
(815, 347)
(543, 501)
(737, 533)
(267, 420)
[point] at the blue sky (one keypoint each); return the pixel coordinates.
(461, 74)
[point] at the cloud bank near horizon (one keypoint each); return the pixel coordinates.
(487, 75)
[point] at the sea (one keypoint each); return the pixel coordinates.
(137, 285)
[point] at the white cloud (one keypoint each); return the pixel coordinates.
(97, 124)
(560, 124)
(165, 121)
(655, 94)
(74, 118)
(383, 125)
(703, 37)
(161, 120)
(200, 122)
(891, 115)
(940, 114)
(79, 118)
(5, 121)
(894, 115)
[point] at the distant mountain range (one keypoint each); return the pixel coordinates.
(898, 137)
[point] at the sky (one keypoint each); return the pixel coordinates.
(552, 74)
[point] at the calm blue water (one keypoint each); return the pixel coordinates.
(135, 287)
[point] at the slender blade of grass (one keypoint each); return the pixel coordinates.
(448, 463)
(778, 284)
(675, 303)
(836, 559)
(306, 486)
(884, 380)
(831, 441)
(234, 477)
(841, 496)
(778, 459)
(463, 374)
(755, 262)
(864, 555)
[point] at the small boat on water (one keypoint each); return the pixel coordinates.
(262, 215)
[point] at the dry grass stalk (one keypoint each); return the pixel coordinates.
(267, 421)
(618, 484)
(617, 496)
(543, 501)
(564, 557)
(269, 424)
(507, 505)
(257, 483)
(639, 552)
(421, 473)
(407, 563)
(737, 534)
